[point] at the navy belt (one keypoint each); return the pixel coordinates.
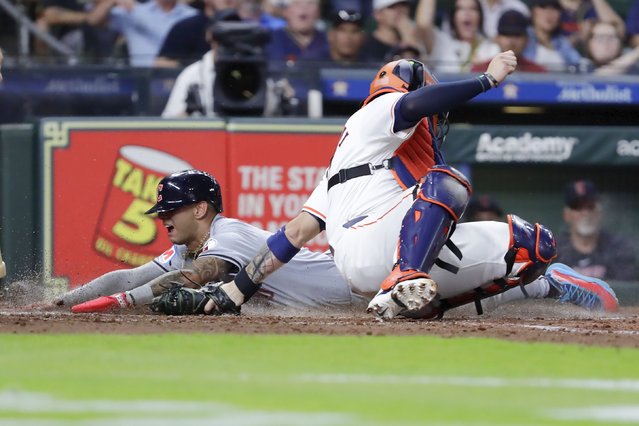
(354, 172)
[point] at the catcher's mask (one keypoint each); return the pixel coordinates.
(187, 187)
(406, 75)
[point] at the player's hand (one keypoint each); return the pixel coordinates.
(219, 302)
(502, 65)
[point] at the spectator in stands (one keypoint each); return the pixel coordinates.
(64, 19)
(186, 41)
(493, 9)
(588, 248)
(255, 11)
(632, 24)
(345, 37)
(404, 52)
(300, 40)
(394, 28)
(361, 6)
(483, 207)
(275, 8)
(605, 53)
(513, 35)
(546, 45)
(578, 16)
(464, 46)
(144, 25)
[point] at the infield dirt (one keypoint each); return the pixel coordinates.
(539, 321)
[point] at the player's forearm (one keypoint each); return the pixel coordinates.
(432, 99)
(162, 283)
(263, 265)
(248, 281)
(280, 248)
(110, 283)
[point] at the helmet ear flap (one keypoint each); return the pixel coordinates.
(417, 79)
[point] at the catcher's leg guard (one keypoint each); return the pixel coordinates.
(440, 201)
(531, 249)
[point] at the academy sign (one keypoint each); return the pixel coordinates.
(524, 149)
(626, 148)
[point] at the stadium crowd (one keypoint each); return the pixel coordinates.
(450, 36)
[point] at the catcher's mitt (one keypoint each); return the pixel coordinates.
(180, 300)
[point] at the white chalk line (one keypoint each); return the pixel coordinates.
(577, 330)
(189, 413)
(154, 412)
(624, 385)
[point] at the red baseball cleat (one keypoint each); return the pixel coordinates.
(103, 304)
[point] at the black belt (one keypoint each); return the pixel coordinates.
(353, 172)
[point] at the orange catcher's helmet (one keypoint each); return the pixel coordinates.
(404, 75)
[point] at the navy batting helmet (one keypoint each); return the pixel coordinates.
(188, 187)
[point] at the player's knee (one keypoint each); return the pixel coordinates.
(446, 187)
(532, 249)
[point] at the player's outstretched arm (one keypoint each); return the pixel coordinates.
(204, 270)
(279, 249)
(110, 283)
(433, 99)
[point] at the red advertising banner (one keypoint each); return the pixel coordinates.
(101, 176)
(272, 175)
(104, 179)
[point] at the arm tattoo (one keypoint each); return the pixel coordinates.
(204, 270)
(263, 265)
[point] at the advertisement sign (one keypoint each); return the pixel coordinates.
(272, 173)
(102, 177)
(551, 145)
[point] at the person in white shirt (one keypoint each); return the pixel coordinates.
(493, 9)
(461, 48)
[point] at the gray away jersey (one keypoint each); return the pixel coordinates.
(309, 280)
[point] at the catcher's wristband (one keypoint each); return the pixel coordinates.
(281, 247)
(245, 284)
(487, 81)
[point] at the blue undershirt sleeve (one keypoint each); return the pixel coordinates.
(436, 98)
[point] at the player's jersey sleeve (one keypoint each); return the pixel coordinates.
(317, 203)
(379, 118)
(172, 259)
(234, 241)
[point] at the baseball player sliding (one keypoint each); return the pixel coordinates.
(390, 206)
(207, 248)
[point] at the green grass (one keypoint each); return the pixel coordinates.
(369, 380)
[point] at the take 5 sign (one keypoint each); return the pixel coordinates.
(100, 177)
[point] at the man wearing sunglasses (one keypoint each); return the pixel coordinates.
(390, 206)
